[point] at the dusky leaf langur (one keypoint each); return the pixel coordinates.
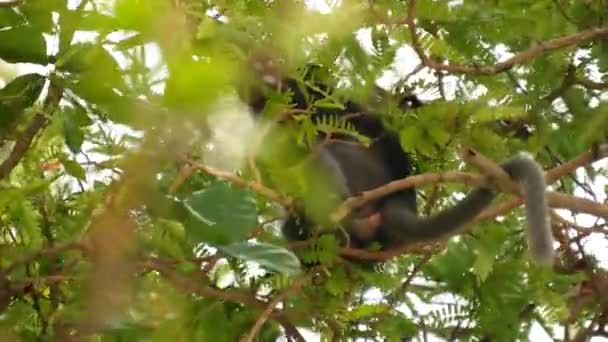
(351, 168)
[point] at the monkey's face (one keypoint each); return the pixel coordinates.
(261, 75)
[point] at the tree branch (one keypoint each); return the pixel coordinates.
(555, 199)
(56, 249)
(583, 159)
(270, 307)
(36, 125)
(412, 181)
(190, 286)
(519, 58)
(550, 177)
(238, 181)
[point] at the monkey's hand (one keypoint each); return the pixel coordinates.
(366, 228)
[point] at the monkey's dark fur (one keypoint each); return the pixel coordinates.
(393, 220)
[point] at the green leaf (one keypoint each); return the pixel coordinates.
(88, 56)
(9, 18)
(363, 311)
(338, 283)
(39, 14)
(74, 136)
(438, 133)
(74, 169)
(141, 15)
(131, 42)
(97, 21)
(410, 138)
(452, 266)
(23, 44)
(196, 84)
(96, 78)
(230, 212)
(328, 103)
(15, 97)
(21, 92)
(483, 264)
(269, 256)
(73, 132)
(102, 97)
(397, 327)
(327, 247)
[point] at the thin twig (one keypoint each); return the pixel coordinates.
(403, 287)
(185, 172)
(270, 307)
(236, 180)
(191, 286)
(583, 230)
(581, 160)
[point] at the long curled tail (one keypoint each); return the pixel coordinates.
(403, 225)
(524, 169)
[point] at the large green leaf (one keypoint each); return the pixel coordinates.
(230, 212)
(22, 91)
(141, 15)
(23, 44)
(95, 76)
(9, 18)
(88, 57)
(39, 14)
(15, 97)
(97, 21)
(84, 56)
(75, 119)
(74, 135)
(269, 256)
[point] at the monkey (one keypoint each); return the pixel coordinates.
(351, 168)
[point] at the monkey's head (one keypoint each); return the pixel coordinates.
(259, 74)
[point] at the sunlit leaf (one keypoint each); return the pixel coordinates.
(23, 44)
(85, 57)
(269, 256)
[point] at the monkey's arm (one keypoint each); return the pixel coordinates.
(403, 224)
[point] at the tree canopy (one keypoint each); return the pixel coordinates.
(132, 206)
